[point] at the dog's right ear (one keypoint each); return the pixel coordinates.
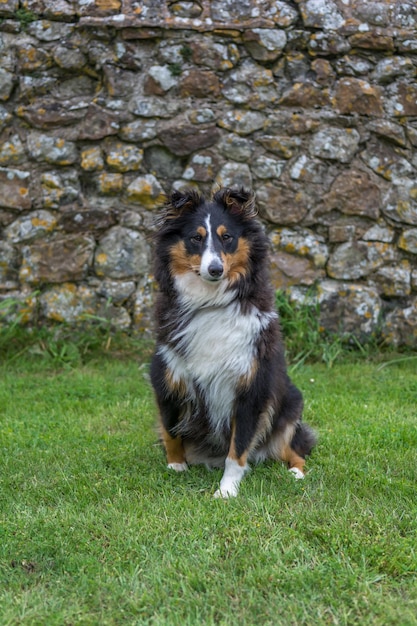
(181, 202)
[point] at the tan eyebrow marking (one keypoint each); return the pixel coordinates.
(202, 231)
(221, 230)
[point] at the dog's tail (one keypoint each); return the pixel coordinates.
(304, 439)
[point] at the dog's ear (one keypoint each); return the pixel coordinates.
(180, 202)
(237, 201)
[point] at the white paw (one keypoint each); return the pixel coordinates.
(298, 474)
(178, 467)
(225, 493)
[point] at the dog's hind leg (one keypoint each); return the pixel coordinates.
(302, 442)
(295, 462)
(174, 451)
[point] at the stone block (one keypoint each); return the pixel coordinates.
(234, 175)
(15, 186)
(17, 307)
(386, 160)
(12, 151)
(182, 139)
(32, 58)
(53, 150)
(87, 220)
(281, 145)
(59, 189)
(122, 253)
(124, 157)
(336, 144)
(138, 131)
(69, 303)
(116, 291)
(163, 77)
(290, 269)
(408, 240)
(304, 95)
(402, 99)
(357, 259)
(143, 310)
(400, 326)
(304, 243)
(46, 112)
(349, 308)
(9, 263)
(354, 95)
(69, 57)
(8, 7)
(281, 205)
(236, 148)
(372, 40)
(265, 44)
(146, 191)
(266, 168)
(7, 82)
(196, 83)
(109, 183)
(353, 193)
(321, 14)
(162, 163)
(251, 85)
(92, 159)
(400, 201)
(65, 258)
(32, 226)
(243, 122)
(201, 167)
(214, 55)
(394, 281)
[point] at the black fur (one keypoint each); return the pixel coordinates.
(236, 402)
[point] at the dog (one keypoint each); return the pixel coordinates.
(218, 370)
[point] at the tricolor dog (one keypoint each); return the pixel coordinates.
(218, 371)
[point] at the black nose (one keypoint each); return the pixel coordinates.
(215, 269)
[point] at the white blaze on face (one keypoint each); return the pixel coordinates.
(210, 259)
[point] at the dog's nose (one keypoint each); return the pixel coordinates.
(215, 269)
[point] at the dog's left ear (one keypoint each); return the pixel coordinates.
(237, 201)
(180, 202)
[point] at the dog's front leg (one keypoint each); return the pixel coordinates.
(236, 465)
(234, 470)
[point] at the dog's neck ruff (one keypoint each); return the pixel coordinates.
(196, 293)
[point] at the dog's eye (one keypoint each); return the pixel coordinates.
(227, 237)
(196, 239)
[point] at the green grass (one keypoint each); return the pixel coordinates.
(95, 531)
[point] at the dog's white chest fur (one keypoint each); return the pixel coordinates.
(215, 349)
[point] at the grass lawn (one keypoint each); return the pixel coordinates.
(95, 530)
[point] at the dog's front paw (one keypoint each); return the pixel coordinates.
(298, 474)
(229, 492)
(178, 467)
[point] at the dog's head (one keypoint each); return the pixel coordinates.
(212, 239)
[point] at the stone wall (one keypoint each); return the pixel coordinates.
(107, 104)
